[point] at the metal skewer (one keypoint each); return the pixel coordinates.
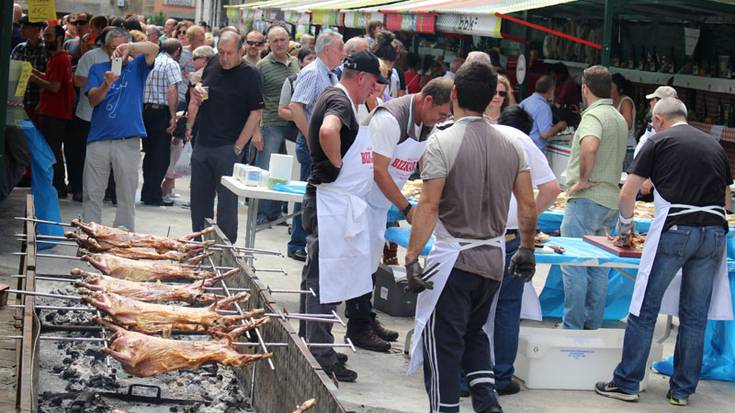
(237, 343)
(43, 221)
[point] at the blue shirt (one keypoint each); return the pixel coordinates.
(120, 114)
(543, 120)
(310, 83)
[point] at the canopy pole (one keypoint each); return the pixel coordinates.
(550, 31)
(607, 33)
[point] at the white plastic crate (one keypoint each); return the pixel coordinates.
(555, 358)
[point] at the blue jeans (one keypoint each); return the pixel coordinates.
(697, 251)
(298, 235)
(274, 138)
(585, 288)
(507, 321)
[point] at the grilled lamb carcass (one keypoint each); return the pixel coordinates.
(152, 318)
(152, 292)
(137, 253)
(109, 237)
(133, 270)
(145, 356)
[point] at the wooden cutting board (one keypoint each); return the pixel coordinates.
(607, 245)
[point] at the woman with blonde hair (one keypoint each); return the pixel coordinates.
(502, 99)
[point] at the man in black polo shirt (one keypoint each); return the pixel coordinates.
(228, 113)
(688, 234)
(335, 214)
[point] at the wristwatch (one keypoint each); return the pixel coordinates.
(406, 210)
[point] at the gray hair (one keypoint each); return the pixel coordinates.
(477, 56)
(171, 46)
(203, 51)
(670, 108)
(356, 44)
(114, 33)
(326, 38)
(151, 28)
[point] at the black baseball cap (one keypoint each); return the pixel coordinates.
(25, 20)
(365, 62)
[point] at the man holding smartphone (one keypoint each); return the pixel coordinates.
(117, 126)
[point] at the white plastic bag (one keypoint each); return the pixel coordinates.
(183, 164)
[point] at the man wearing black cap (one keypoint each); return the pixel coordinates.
(32, 50)
(335, 215)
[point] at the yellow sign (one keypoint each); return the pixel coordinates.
(41, 10)
(25, 74)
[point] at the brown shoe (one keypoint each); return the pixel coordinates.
(368, 340)
(382, 332)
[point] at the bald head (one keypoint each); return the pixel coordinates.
(17, 12)
(477, 56)
(356, 44)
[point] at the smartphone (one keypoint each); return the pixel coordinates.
(117, 66)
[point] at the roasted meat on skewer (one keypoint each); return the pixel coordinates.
(152, 318)
(137, 253)
(631, 240)
(133, 270)
(109, 237)
(145, 356)
(151, 292)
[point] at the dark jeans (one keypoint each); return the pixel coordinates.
(359, 311)
(157, 148)
(208, 166)
(75, 149)
(298, 235)
(507, 321)
(454, 340)
(697, 251)
(53, 129)
(315, 332)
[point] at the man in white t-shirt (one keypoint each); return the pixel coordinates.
(660, 93)
(516, 123)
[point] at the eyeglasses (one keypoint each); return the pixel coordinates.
(252, 43)
(502, 93)
(80, 22)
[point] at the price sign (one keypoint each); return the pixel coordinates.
(41, 10)
(475, 25)
(466, 24)
(25, 74)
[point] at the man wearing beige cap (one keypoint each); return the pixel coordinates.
(658, 94)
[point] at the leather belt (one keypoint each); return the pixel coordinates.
(154, 106)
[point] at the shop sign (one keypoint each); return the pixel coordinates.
(472, 24)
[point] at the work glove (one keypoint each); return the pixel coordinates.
(624, 226)
(418, 280)
(523, 264)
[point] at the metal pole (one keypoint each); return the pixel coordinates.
(6, 22)
(607, 31)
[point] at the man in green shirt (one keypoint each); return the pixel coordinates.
(592, 182)
(275, 68)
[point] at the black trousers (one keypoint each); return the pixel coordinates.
(157, 147)
(54, 129)
(75, 150)
(453, 340)
(208, 166)
(359, 311)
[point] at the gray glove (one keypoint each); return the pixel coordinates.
(625, 226)
(523, 264)
(417, 279)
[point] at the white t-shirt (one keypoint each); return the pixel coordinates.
(642, 141)
(385, 133)
(92, 57)
(541, 173)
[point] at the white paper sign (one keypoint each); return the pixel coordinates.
(521, 69)
(691, 37)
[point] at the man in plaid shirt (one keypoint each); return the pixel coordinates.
(32, 50)
(159, 116)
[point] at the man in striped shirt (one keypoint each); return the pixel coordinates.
(159, 115)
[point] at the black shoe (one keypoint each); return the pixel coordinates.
(674, 401)
(368, 340)
(298, 255)
(62, 193)
(512, 388)
(382, 332)
(608, 389)
(161, 203)
(78, 197)
(341, 373)
(342, 358)
(493, 409)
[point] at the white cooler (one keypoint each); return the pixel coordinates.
(555, 358)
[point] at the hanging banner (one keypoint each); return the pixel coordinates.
(422, 23)
(25, 74)
(356, 19)
(324, 17)
(472, 24)
(691, 38)
(41, 10)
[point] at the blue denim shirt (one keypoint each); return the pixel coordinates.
(310, 83)
(543, 120)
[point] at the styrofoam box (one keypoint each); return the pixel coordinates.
(555, 358)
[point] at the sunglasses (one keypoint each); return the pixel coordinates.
(502, 94)
(80, 22)
(252, 43)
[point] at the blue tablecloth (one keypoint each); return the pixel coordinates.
(550, 222)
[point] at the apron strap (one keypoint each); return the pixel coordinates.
(691, 209)
(465, 244)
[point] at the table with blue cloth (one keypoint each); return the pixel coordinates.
(550, 222)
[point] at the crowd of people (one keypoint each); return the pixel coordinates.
(362, 120)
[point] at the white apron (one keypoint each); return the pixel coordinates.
(445, 252)
(405, 158)
(342, 224)
(720, 305)
(530, 304)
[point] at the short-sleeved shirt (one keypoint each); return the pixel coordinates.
(92, 57)
(543, 120)
(274, 74)
(120, 114)
(186, 63)
(385, 133)
(335, 102)
(312, 80)
(686, 166)
(480, 166)
(165, 72)
(60, 104)
(233, 94)
(541, 172)
(38, 58)
(603, 122)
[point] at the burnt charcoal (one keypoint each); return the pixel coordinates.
(103, 381)
(173, 409)
(70, 373)
(50, 317)
(219, 377)
(66, 360)
(57, 369)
